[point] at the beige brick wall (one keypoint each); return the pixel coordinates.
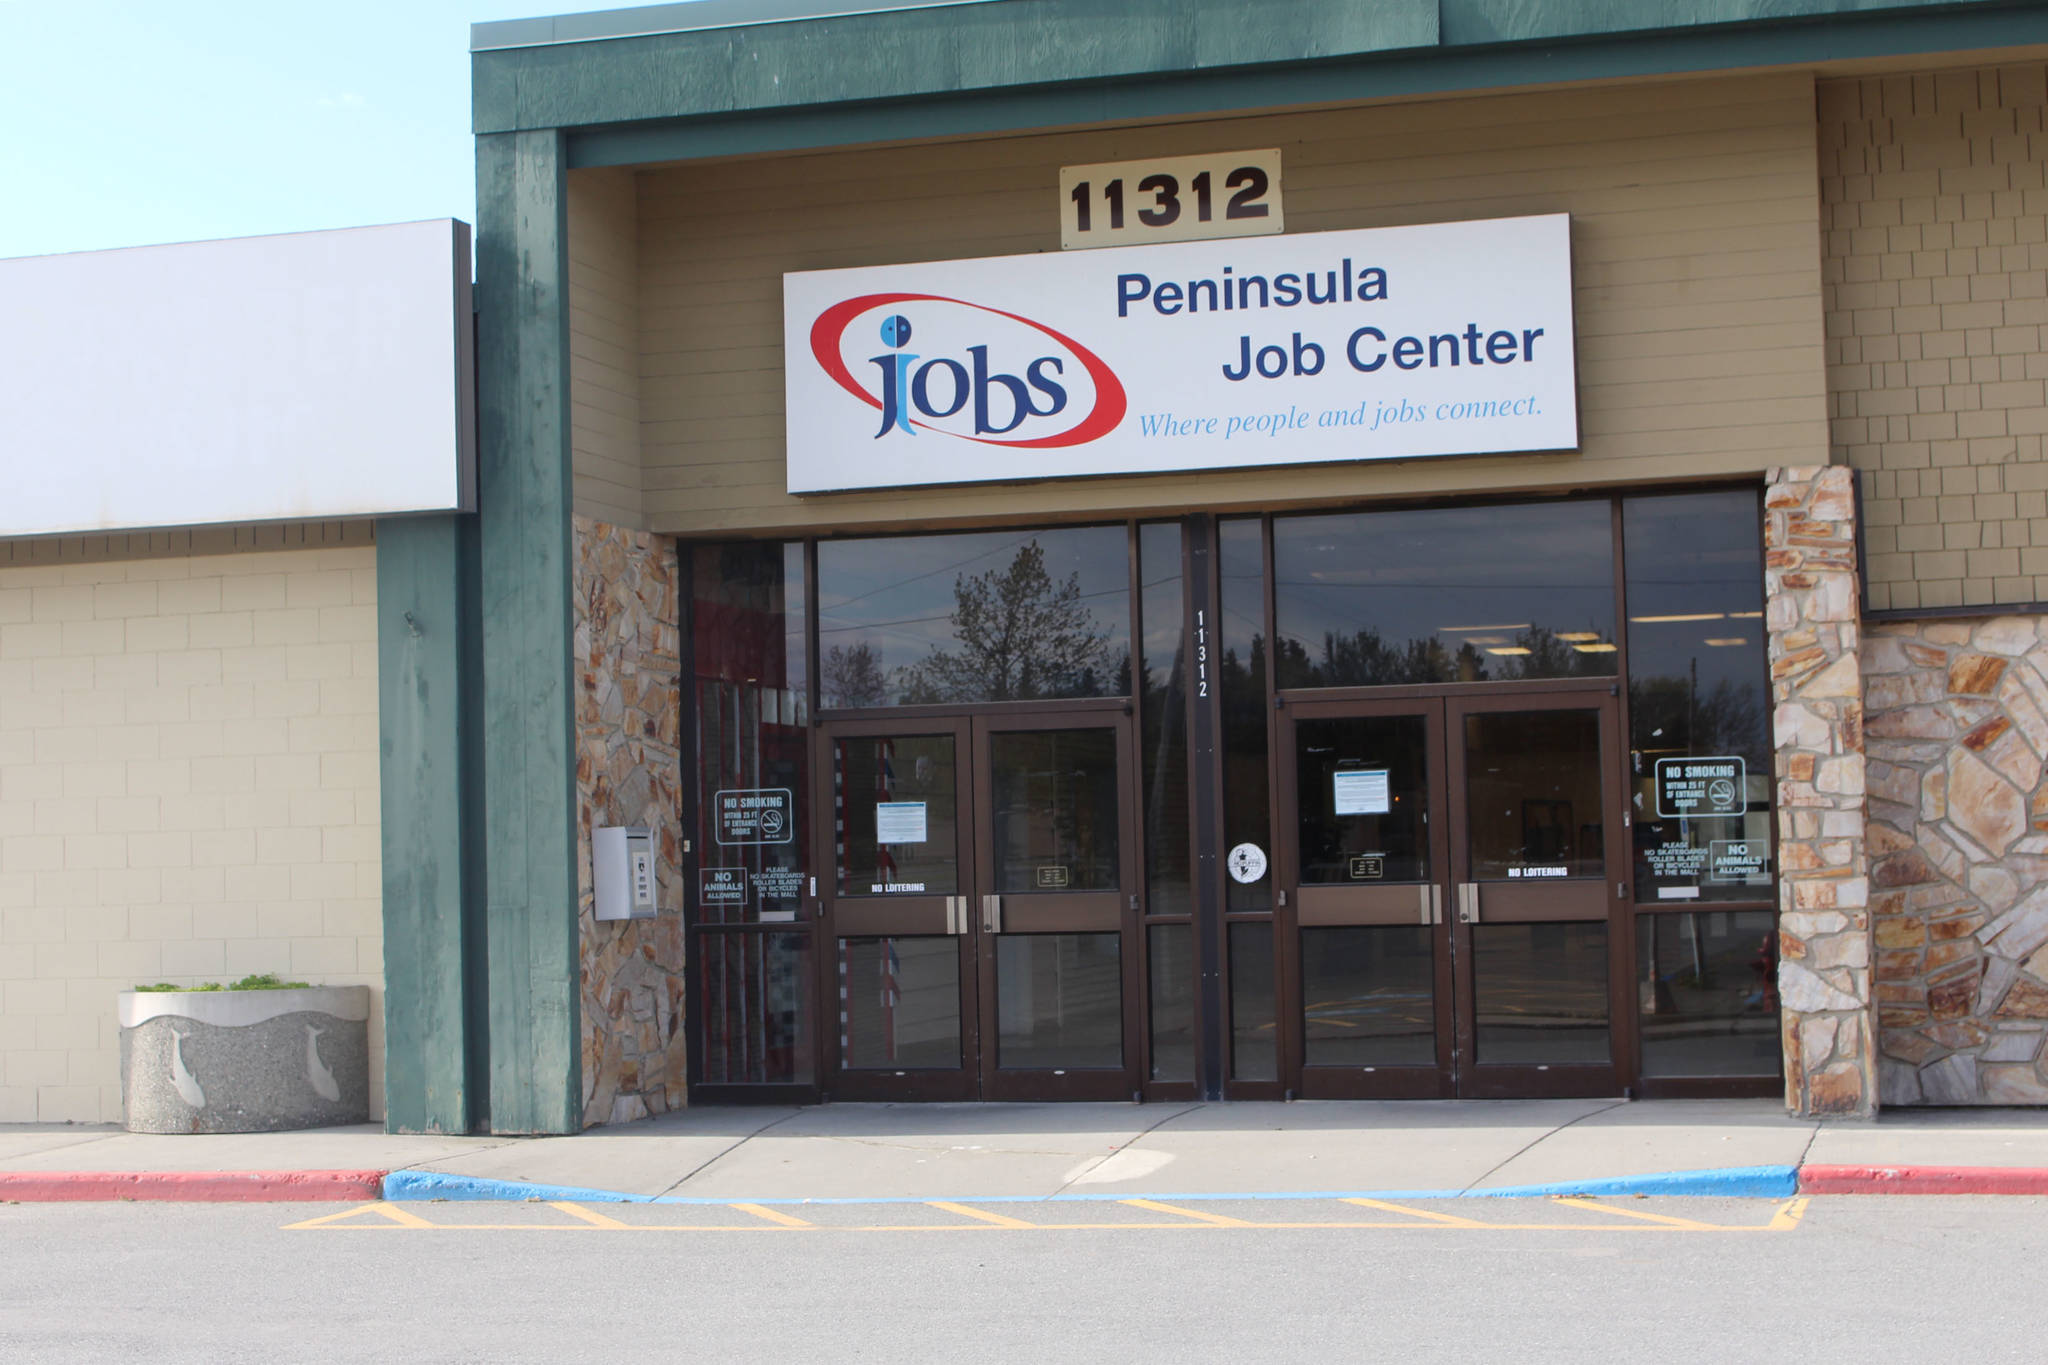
(188, 789)
(1935, 276)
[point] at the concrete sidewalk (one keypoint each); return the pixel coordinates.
(850, 1151)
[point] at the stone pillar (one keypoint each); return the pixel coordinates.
(629, 769)
(1813, 615)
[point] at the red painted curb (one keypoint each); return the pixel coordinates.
(1923, 1180)
(200, 1187)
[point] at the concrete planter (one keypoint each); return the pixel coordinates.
(244, 1061)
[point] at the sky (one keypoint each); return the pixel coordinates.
(132, 123)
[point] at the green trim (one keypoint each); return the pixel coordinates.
(1198, 94)
(1074, 52)
(523, 500)
(425, 702)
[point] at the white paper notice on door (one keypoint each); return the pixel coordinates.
(1360, 791)
(899, 822)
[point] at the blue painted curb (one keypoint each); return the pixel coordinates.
(1730, 1182)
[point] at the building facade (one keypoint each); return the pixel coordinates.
(1687, 741)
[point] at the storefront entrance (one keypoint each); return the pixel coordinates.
(1460, 800)
(980, 905)
(1448, 863)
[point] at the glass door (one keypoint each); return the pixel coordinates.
(1447, 903)
(981, 907)
(1369, 867)
(1537, 849)
(902, 998)
(1057, 905)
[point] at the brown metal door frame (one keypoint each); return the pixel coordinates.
(1120, 911)
(921, 915)
(1304, 906)
(1574, 900)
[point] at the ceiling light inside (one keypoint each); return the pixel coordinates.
(1594, 649)
(1507, 649)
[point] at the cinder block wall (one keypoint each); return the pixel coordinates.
(188, 786)
(1935, 279)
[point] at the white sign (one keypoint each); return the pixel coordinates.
(1700, 787)
(1247, 863)
(1379, 344)
(899, 822)
(1360, 791)
(307, 376)
(1171, 199)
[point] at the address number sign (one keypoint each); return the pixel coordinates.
(1171, 199)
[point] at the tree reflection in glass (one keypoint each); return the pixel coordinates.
(980, 617)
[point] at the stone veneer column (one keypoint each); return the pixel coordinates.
(628, 772)
(1813, 615)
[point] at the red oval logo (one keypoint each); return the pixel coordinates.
(1110, 400)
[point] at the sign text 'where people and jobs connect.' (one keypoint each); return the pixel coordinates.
(1377, 344)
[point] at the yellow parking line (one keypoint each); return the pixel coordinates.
(1665, 1219)
(1215, 1220)
(776, 1216)
(590, 1216)
(1448, 1219)
(1001, 1220)
(390, 1217)
(1787, 1218)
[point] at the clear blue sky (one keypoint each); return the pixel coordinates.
(130, 122)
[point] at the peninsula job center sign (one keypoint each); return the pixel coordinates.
(1379, 344)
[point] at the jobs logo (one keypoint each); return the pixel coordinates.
(974, 372)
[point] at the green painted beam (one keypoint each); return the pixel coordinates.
(1194, 94)
(920, 52)
(523, 501)
(1018, 48)
(432, 897)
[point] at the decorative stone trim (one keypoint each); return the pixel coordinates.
(628, 659)
(1824, 960)
(1958, 733)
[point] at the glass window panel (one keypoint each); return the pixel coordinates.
(753, 991)
(1540, 993)
(1059, 1001)
(986, 616)
(1697, 689)
(747, 630)
(1445, 594)
(1241, 672)
(1369, 996)
(1053, 796)
(1532, 784)
(1707, 990)
(1170, 953)
(1254, 1040)
(899, 1002)
(1163, 615)
(915, 777)
(1363, 794)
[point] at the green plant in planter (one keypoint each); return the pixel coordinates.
(260, 981)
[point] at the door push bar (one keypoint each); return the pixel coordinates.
(1430, 900)
(956, 915)
(1468, 902)
(991, 914)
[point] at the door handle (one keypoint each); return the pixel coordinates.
(992, 914)
(956, 915)
(1468, 902)
(1422, 895)
(1432, 904)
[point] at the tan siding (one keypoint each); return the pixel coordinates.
(604, 343)
(1695, 239)
(188, 789)
(1936, 282)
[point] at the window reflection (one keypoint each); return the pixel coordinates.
(1708, 985)
(1447, 594)
(988, 616)
(1694, 570)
